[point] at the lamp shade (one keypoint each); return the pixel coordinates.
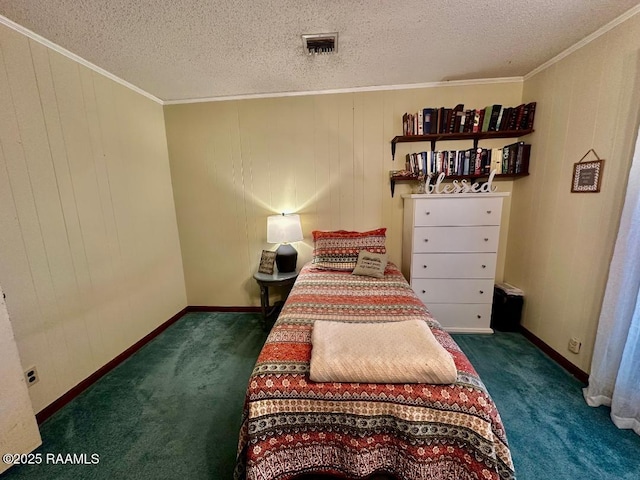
(284, 228)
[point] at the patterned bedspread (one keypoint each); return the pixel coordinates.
(292, 425)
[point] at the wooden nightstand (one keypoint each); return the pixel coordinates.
(265, 281)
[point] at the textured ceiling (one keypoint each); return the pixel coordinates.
(190, 49)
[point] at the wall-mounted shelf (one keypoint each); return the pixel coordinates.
(440, 137)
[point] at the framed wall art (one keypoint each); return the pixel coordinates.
(587, 176)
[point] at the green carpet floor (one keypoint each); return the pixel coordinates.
(172, 411)
(552, 432)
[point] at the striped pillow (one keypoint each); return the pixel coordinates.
(338, 250)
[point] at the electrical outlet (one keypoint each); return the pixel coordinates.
(574, 345)
(31, 376)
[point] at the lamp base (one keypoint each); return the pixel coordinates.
(286, 258)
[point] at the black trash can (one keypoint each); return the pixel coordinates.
(507, 308)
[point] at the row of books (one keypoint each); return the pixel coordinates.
(510, 159)
(493, 118)
(515, 158)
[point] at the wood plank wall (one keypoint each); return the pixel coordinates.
(561, 243)
(89, 250)
(326, 157)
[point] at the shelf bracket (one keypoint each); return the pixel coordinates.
(393, 155)
(393, 186)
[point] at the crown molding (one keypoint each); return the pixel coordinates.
(377, 88)
(63, 51)
(586, 40)
(487, 81)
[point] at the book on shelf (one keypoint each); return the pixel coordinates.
(492, 118)
(452, 163)
(505, 159)
(454, 121)
(522, 158)
(511, 159)
(522, 124)
(417, 164)
(406, 130)
(446, 119)
(481, 114)
(463, 121)
(486, 119)
(439, 163)
(426, 119)
(516, 120)
(411, 165)
(485, 161)
(477, 120)
(468, 120)
(499, 119)
(506, 118)
(496, 160)
(435, 115)
(508, 156)
(530, 116)
(515, 158)
(478, 162)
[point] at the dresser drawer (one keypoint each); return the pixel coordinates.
(462, 317)
(456, 239)
(454, 265)
(458, 211)
(437, 290)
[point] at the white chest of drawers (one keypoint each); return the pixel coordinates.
(449, 254)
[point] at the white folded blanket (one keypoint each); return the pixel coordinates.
(389, 352)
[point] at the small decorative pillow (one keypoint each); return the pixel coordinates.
(370, 264)
(338, 250)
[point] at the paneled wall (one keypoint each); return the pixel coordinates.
(560, 243)
(89, 250)
(18, 427)
(327, 157)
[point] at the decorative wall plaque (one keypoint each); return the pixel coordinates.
(587, 175)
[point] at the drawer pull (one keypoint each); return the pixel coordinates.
(424, 266)
(484, 266)
(479, 316)
(428, 213)
(486, 239)
(426, 239)
(481, 292)
(424, 291)
(489, 212)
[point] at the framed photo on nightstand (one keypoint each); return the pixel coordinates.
(267, 262)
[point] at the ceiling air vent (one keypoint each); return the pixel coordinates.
(320, 43)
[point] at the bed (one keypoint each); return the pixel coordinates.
(293, 427)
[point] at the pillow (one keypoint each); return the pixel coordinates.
(338, 250)
(370, 264)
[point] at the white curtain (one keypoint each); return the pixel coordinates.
(615, 369)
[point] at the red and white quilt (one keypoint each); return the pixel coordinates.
(293, 426)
